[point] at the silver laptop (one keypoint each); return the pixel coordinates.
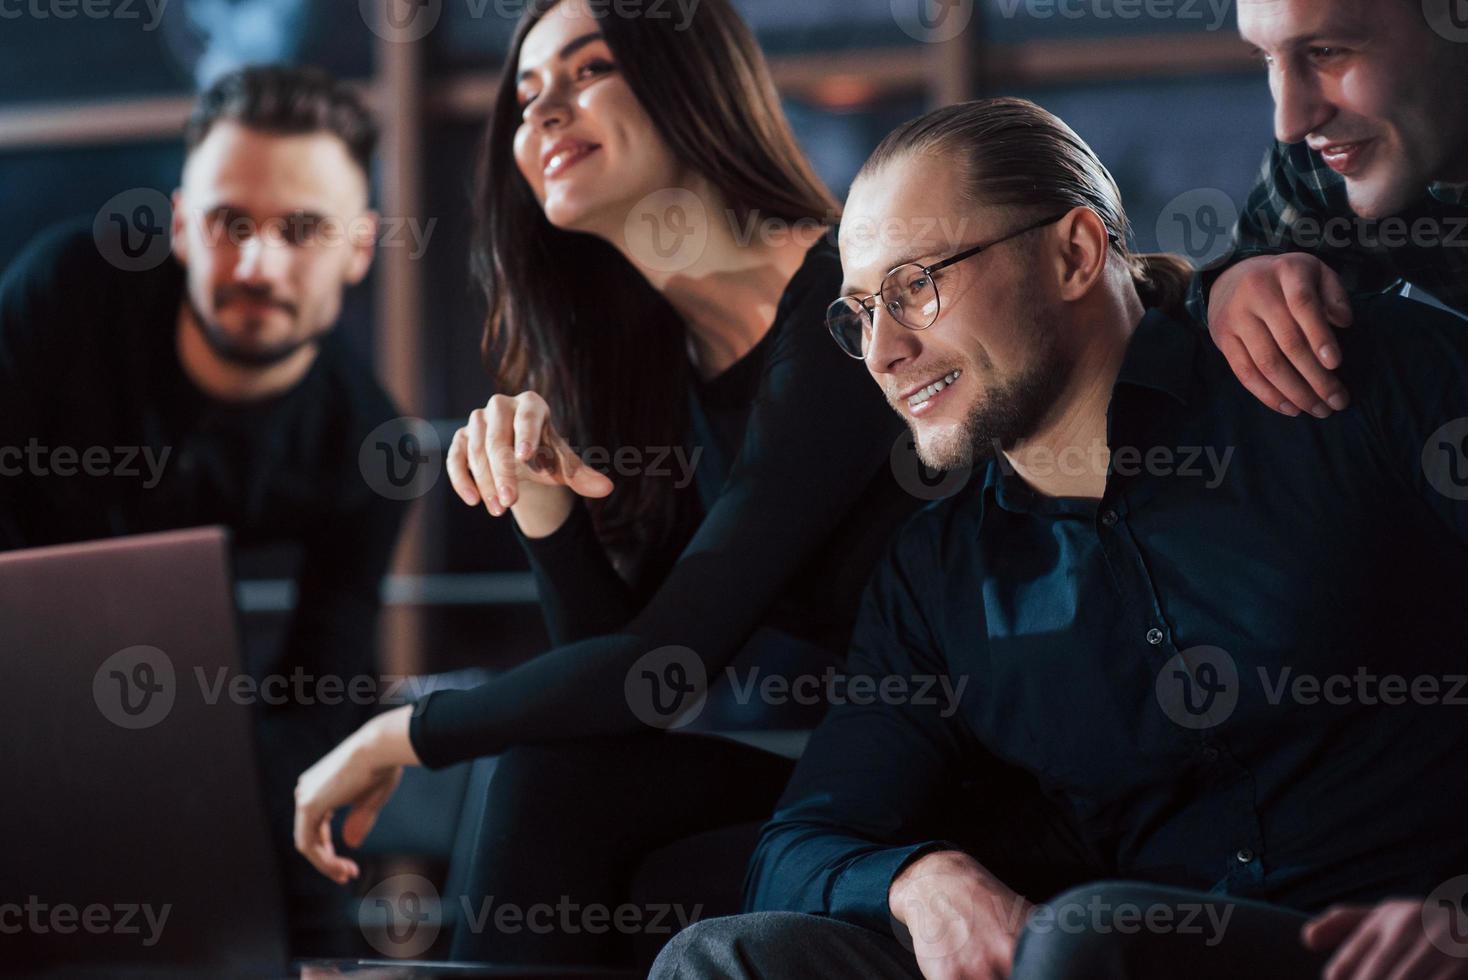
(132, 834)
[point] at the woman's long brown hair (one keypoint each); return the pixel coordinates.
(568, 316)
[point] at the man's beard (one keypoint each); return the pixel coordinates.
(1003, 417)
(226, 349)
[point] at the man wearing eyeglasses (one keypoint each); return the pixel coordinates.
(1230, 694)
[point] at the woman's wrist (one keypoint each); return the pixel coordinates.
(386, 741)
(541, 509)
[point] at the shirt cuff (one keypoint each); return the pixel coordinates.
(573, 531)
(860, 894)
(420, 739)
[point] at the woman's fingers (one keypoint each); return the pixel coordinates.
(531, 416)
(342, 869)
(500, 448)
(586, 481)
(457, 464)
(479, 467)
(574, 473)
(312, 834)
(366, 808)
(509, 440)
(304, 835)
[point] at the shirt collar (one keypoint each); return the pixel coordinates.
(1159, 356)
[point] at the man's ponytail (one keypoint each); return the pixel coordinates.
(1162, 281)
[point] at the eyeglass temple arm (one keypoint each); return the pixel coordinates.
(970, 253)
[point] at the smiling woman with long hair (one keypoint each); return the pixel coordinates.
(655, 250)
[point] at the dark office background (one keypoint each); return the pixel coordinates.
(90, 107)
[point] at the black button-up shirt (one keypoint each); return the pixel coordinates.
(1241, 670)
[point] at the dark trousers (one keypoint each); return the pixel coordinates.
(595, 851)
(1119, 929)
(1103, 931)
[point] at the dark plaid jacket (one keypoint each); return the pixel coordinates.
(1299, 205)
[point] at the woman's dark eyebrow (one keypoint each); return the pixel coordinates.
(568, 50)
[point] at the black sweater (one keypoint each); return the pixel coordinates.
(809, 502)
(88, 366)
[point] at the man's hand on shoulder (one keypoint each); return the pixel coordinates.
(1274, 317)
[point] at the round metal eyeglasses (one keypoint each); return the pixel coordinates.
(909, 295)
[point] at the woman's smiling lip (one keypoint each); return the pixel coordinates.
(564, 155)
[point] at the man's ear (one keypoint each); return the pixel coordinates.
(1084, 247)
(364, 245)
(178, 227)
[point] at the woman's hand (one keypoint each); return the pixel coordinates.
(361, 773)
(510, 456)
(1274, 318)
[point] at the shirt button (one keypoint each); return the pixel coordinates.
(1244, 856)
(1109, 518)
(1154, 636)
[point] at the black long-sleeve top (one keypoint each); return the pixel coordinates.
(103, 434)
(809, 503)
(1241, 670)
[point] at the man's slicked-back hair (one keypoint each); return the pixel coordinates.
(1013, 153)
(286, 101)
